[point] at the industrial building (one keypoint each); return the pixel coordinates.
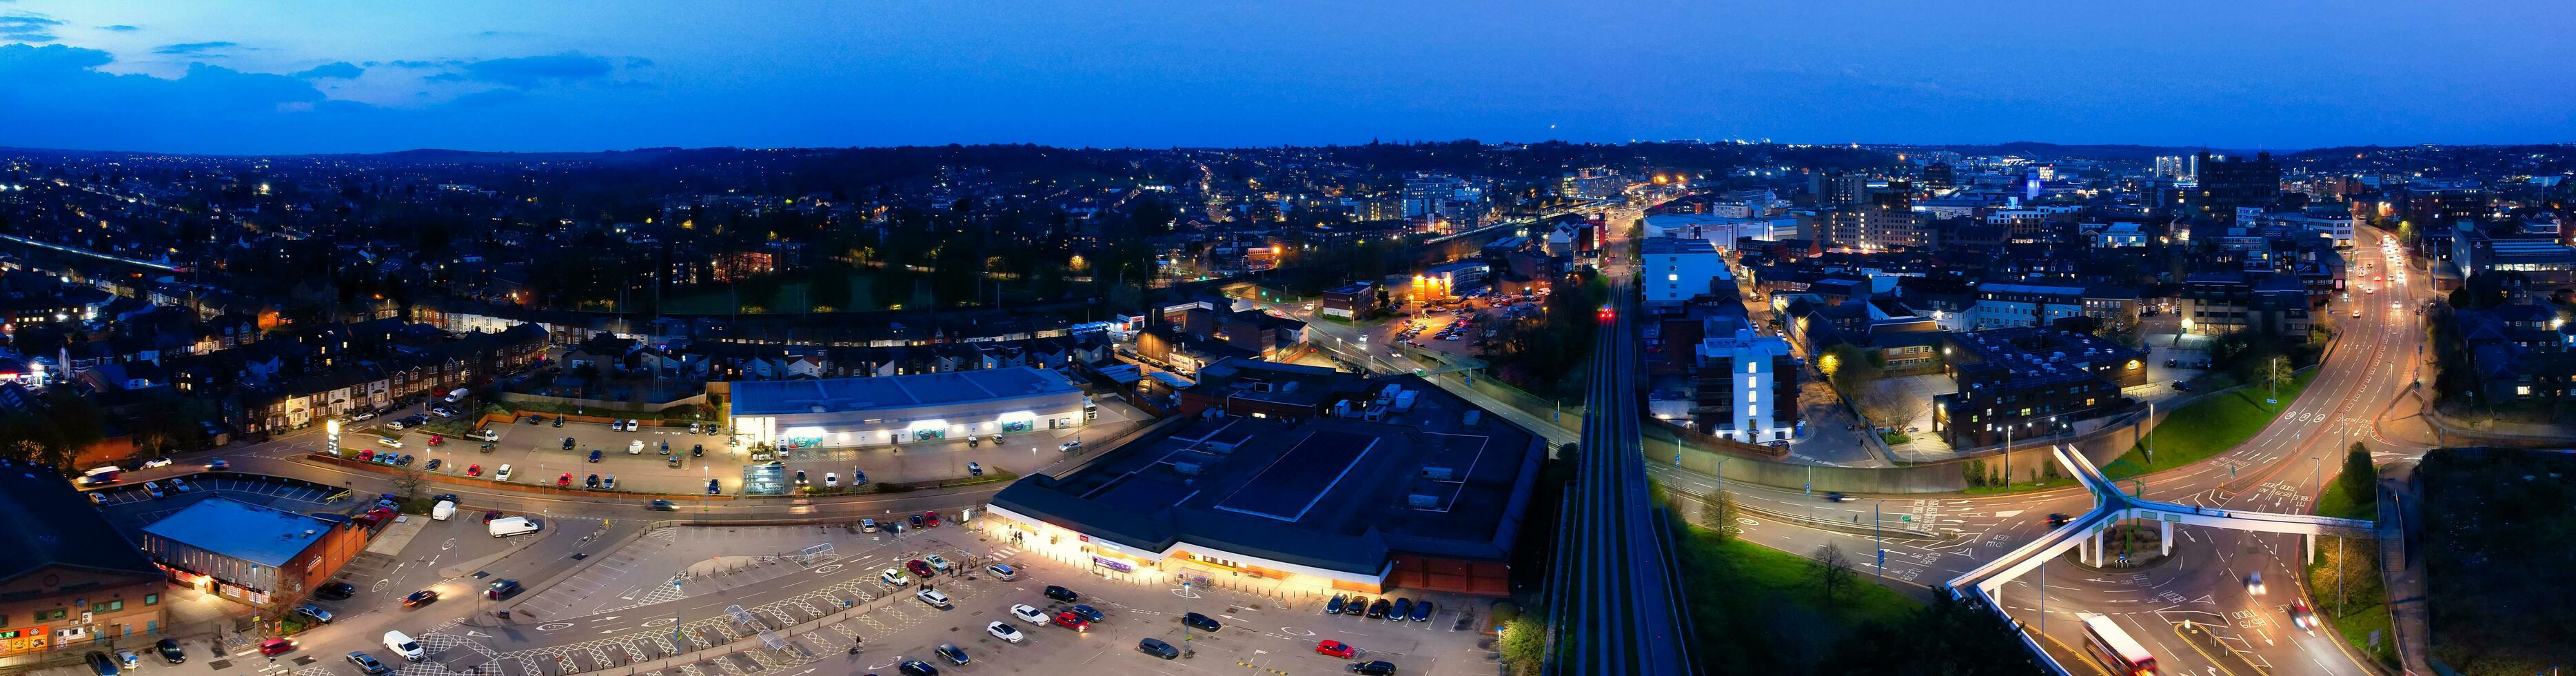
(67, 579)
(249, 553)
(920, 408)
(1335, 484)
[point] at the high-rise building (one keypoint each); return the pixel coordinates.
(1939, 176)
(1838, 189)
(2228, 183)
(1676, 270)
(2169, 166)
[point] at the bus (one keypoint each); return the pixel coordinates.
(101, 476)
(2113, 647)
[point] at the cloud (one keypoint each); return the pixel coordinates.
(121, 28)
(342, 70)
(195, 48)
(528, 71)
(27, 28)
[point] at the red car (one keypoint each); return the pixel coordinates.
(473, 470)
(436, 440)
(366, 454)
(919, 568)
(932, 517)
(276, 646)
(1336, 649)
(565, 480)
(490, 515)
(1072, 621)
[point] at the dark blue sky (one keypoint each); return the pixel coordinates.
(283, 77)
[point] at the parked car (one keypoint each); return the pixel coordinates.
(1358, 605)
(565, 481)
(1028, 613)
(1060, 593)
(711, 487)
(1200, 622)
(433, 464)
(917, 567)
(933, 598)
(831, 480)
(1403, 607)
(335, 591)
(1004, 631)
(917, 668)
(954, 654)
(974, 469)
(594, 455)
(170, 651)
(1156, 647)
(1334, 607)
(503, 474)
(936, 563)
(1003, 572)
(314, 613)
(893, 577)
(1379, 608)
(474, 470)
(1377, 668)
(1422, 611)
(368, 665)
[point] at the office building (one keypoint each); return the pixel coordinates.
(2220, 303)
(2225, 184)
(1677, 270)
(2029, 382)
(1746, 384)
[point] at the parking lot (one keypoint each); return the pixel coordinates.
(132, 506)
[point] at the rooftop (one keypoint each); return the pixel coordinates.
(1332, 493)
(775, 397)
(269, 537)
(69, 532)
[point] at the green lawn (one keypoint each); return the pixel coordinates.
(1764, 610)
(2209, 426)
(2356, 604)
(2024, 486)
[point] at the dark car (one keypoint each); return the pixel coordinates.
(1377, 668)
(660, 506)
(955, 655)
(1837, 497)
(567, 443)
(1358, 604)
(420, 598)
(368, 664)
(1334, 607)
(2058, 519)
(698, 451)
(2173, 363)
(490, 514)
(170, 651)
(591, 481)
(1060, 593)
(916, 521)
(917, 668)
(558, 421)
(1156, 647)
(501, 590)
(1422, 611)
(1087, 612)
(433, 464)
(594, 455)
(1379, 608)
(2180, 386)
(336, 591)
(1201, 622)
(1403, 607)
(102, 665)
(711, 487)
(919, 568)
(800, 478)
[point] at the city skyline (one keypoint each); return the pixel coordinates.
(174, 77)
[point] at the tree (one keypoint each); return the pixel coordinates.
(408, 479)
(2272, 373)
(1832, 570)
(2358, 474)
(1976, 471)
(1717, 510)
(1523, 645)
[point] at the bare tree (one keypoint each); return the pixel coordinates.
(408, 479)
(1717, 510)
(1833, 570)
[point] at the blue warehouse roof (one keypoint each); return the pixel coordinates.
(777, 397)
(241, 530)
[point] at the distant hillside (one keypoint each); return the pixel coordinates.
(2136, 153)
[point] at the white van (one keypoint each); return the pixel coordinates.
(442, 510)
(404, 646)
(635, 447)
(508, 526)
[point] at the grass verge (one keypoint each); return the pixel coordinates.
(1768, 607)
(2209, 426)
(2023, 487)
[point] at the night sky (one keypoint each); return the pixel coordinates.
(294, 77)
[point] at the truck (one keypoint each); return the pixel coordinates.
(101, 476)
(442, 510)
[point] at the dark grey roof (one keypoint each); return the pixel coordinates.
(50, 524)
